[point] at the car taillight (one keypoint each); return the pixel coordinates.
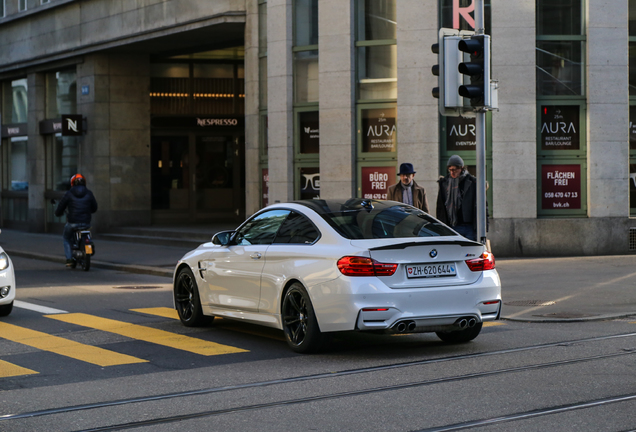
(485, 262)
(362, 266)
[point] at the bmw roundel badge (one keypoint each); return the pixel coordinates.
(433, 253)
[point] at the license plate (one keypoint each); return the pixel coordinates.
(88, 249)
(431, 270)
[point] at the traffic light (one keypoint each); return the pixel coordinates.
(478, 69)
(449, 78)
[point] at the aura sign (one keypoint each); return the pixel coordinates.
(379, 130)
(560, 127)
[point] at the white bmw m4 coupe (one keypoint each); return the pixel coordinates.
(315, 267)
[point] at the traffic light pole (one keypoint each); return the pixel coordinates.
(480, 130)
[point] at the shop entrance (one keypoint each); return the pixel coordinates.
(197, 177)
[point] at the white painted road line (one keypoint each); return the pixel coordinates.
(37, 308)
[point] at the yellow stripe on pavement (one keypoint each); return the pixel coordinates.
(10, 370)
(493, 324)
(172, 313)
(65, 347)
(159, 311)
(148, 334)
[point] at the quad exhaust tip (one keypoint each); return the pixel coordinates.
(463, 323)
(409, 326)
(405, 326)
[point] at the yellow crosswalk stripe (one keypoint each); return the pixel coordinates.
(10, 370)
(172, 313)
(148, 334)
(159, 311)
(65, 347)
(493, 324)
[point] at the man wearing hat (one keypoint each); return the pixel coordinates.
(457, 199)
(407, 191)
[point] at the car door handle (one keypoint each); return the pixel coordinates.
(256, 256)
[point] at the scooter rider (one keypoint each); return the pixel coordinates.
(81, 204)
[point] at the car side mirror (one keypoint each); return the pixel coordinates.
(222, 238)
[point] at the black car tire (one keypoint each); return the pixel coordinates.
(299, 321)
(187, 301)
(460, 336)
(6, 309)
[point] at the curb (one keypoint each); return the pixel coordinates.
(573, 320)
(130, 268)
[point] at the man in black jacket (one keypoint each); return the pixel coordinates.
(79, 204)
(457, 199)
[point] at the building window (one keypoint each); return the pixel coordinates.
(44, 1)
(22, 5)
(457, 134)
(561, 106)
(262, 98)
(306, 115)
(376, 93)
(206, 83)
(15, 104)
(2, 8)
(560, 48)
(61, 93)
(376, 50)
(61, 159)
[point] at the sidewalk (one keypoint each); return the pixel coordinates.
(113, 255)
(533, 289)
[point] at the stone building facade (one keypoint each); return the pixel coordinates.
(201, 111)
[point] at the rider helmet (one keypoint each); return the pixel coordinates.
(77, 180)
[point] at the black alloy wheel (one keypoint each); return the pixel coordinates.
(299, 321)
(186, 296)
(460, 336)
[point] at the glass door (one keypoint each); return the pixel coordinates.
(171, 179)
(217, 168)
(197, 177)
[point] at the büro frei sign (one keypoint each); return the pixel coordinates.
(560, 187)
(376, 182)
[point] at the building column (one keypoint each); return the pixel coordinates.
(514, 126)
(36, 161)
(280, 100)
(607, 108)
(252, 136)
(418, 112)
(336, 96)
(115, 152)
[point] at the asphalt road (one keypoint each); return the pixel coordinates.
(149, 373)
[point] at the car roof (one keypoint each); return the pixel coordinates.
(323, 207)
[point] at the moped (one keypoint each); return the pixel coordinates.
(82, 247)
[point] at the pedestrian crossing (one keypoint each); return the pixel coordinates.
(100, 356)
(104, 357)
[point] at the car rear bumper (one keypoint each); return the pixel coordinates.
(367, 304)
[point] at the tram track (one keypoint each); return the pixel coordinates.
(210, 413)
(336, 395)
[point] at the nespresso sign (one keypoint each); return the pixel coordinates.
(68, 125)
(197, 122)
(14, 130)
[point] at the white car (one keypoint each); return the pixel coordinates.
(314, 267)
(7, 284)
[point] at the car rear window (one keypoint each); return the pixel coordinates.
(397, 221)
